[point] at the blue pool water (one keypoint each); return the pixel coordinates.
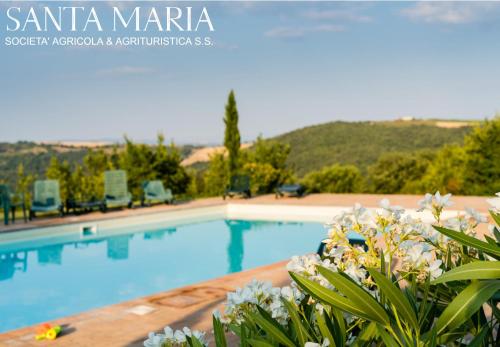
(54, 277)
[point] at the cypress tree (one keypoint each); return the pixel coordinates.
(232, 134)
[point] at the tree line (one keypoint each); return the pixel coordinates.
(470, 169)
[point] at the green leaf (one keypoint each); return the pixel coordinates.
(388, 339)
(271, 327)
(479, 339)
(356, 294)
(395, 297)
(470, 241)
(301, 330)
(366, 335)
(324, 329)
(496, 232)
(259, 343)
(496, 217)
(193, 342)
(472, 271)
(328, 296)
(433, 338)
(490, 240)
(219, 335)
(466, 303)
(336, 322)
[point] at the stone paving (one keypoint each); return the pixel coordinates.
(128, 323)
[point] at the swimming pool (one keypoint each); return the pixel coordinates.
(58, 275)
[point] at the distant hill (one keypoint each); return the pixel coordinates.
(312, 148)
(361, 143)
(36, 156)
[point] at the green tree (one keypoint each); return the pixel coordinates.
(24, 184)
(334, 179)
(482, 158)
(167, 167)
(232, 140)
(62, 173)
(445, 173)
(216, 176)
(399, 172)
(138, 160)
(92, 178)
(265, 163)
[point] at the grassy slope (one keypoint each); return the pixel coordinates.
(361, 143)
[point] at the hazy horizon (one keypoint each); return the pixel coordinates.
(153, 139)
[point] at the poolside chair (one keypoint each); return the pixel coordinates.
(46, 198)
(8, 204)
(116, 193)
(155, 191)
(290, 190)
(240, 185)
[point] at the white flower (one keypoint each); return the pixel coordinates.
(325, 343)
(169, 332)
(388, 210)
(179, 336)
(495, 202)
(442, 201)
(434, 202)
(154, 340)
(475, 215)
(355, 272)
(171, 338)
(305, 264)
(434, 269)
(416, 256)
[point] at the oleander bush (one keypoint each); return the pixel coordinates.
(412, 283)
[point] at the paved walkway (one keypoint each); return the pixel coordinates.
(368, 200)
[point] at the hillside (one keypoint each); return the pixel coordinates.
(361, 143)
(36, 156)
(312, 148)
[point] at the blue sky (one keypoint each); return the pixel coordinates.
(291, 64)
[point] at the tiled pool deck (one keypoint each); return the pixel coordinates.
(128, 323)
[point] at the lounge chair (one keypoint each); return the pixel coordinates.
(46, 198)
(240, 185)
(116, 193)
(10, 202)
(290, 190)
(154, 191)
(80, 206)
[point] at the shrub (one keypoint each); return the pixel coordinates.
(265, 163)
(482, 158)
(334, 179)
(399, 172)
(423, 285)
(445, 173)
(216, 176)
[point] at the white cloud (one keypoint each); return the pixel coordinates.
(450, 12)
(297, 32)
(124, 71)
(347, 15)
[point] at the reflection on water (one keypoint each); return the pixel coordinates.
(158, 234)
(117, 248)
(50, 255)
(12, 262)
